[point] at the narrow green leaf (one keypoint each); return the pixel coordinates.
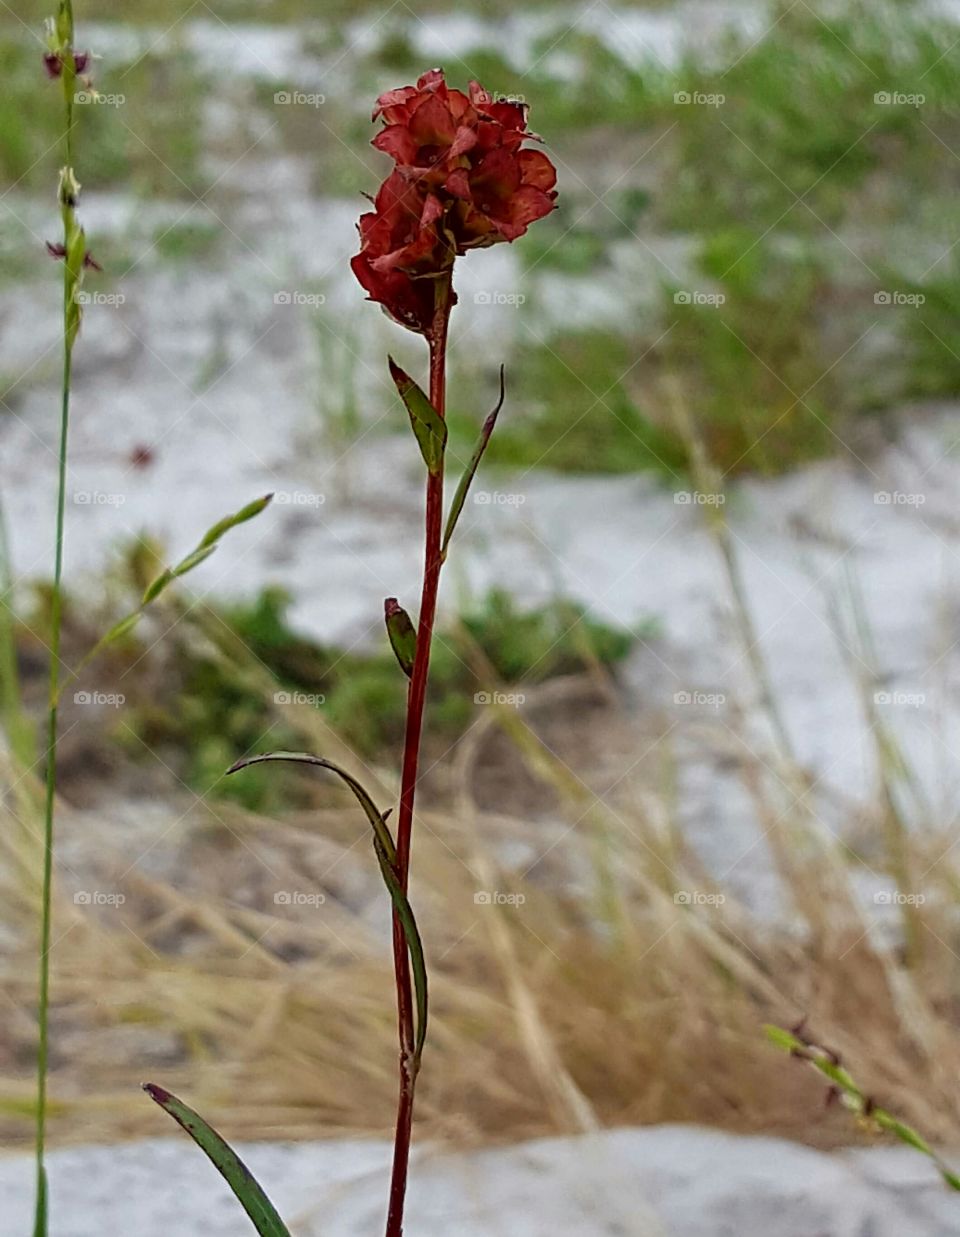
(460, 497)
(403, 635)
(429, 427)
(213, 535)
(386, 853)
(233, 1170)
(154, 589)
(414, 944)
(193, 560)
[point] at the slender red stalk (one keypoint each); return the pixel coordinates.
(416, 698)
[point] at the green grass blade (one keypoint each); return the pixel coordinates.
(238, 1177)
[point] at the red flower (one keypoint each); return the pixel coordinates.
(462, 181)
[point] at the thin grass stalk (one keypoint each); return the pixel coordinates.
(73, 259)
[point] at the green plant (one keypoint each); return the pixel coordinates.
(844, 1089)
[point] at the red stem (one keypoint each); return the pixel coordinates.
(416, 698)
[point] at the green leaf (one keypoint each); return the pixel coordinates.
(154, 589)
(403, 636)
(386, 853)
(233, 1170)
(429, 427)
(249, 512)
(193, 560)
(460, 497)
(207, 545)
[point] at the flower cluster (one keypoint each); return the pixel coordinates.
(462, 180)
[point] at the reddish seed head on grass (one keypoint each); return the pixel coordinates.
(462, 180)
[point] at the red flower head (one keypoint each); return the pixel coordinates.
(462, 181)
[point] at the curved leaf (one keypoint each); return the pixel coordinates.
(460, 497)
(233, 1170)
(386, 853)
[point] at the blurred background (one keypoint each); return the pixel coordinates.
(696, 698)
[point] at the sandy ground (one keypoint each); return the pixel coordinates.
(655, 1182)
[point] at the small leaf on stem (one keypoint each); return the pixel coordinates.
(460, 497)
(403, 635)
(429, 427)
